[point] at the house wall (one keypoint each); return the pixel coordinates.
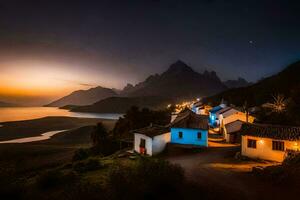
(173, 117)
(137, 139)
(212, 119)
(201, 111)
(226, 135)
(159, 142)
(189, 136)
(230, 112)
(264, 148)
(237, 116)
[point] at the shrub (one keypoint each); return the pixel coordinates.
(88, 165)
(81, 154)
(53, 178)
(148, 179)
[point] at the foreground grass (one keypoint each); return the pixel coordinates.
(23, 160)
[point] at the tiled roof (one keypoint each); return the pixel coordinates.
(198, 104)
(230, 112)
(188, 119)
(152, 130)
(234, 126)
(223, 110)
(271, 131)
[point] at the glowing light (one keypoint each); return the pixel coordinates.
(261, 141)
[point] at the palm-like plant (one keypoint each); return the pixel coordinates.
(279, 103)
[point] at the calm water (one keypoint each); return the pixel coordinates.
(27, 113)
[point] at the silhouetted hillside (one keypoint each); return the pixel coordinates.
(5, 104)
(240, 82)
(122, 104)
(286, 82)
(84, 97)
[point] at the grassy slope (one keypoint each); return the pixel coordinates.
(27, 158)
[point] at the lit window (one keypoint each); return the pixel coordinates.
(278, 145)
(251, 144)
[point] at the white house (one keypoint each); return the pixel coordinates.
(200, 108)
(234, 115)
(151, 140)
(231, 131)
(226, 113)
(219, 113)
(269, 142)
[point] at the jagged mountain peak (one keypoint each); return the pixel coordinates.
(178, 81)
(179, 67)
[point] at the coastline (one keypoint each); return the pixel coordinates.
(36, 127)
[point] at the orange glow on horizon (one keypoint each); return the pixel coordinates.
(34, 79)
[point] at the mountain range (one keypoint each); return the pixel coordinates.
(178, 82)
(240, 82)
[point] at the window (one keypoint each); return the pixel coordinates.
(180, 135)
(143, 143)
(278, 145)
(251, 143)
(199, 135)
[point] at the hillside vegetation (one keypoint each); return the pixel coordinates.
(286, 82)
(122, 104)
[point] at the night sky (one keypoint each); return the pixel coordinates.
(77, 45)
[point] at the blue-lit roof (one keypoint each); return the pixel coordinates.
(216, 109)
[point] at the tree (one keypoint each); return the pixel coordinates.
(100, 135)
(138, 118)
(102, 142)
(246, 109)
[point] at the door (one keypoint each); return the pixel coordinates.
(143, 146)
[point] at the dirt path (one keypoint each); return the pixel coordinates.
(216, 169)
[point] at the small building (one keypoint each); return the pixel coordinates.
(269, 142)
(200, 108)
(190, 129)
(213, 117)
(231, 131)
(234, 115)
(151, 140)
(219, 114)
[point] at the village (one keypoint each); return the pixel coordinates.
(195, 125)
